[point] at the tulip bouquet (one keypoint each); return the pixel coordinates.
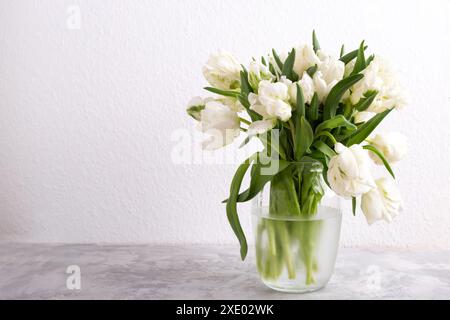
(304, 106)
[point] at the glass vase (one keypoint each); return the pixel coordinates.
(297, 222)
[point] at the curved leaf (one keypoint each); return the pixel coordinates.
(370, 59)
(277, 59)
(316, 45)
(324, 148)
(365, 102)
(246, 88)
(258, 179)
(336, 94)
(366, 129)
(350, 56)
(337, 121)
(382, 158)
(226, 93)
(232, 215)
(313, 109)
(360, 63)
(327, 134)
(289, 65)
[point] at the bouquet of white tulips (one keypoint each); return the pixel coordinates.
(320, 108)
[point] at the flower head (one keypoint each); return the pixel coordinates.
(330, 71)
(378, 76)
(222, 71)
(349, 171)
(393, 145)
(382, 202)
(258, 72)
(220, 123)
(195, 106)
(305, 57)
(305, 83)
(271, 101)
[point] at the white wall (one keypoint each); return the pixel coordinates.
(86, 115)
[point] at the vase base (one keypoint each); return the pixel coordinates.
(287, 289)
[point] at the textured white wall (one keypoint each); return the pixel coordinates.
(86, 115)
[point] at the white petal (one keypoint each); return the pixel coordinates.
(260, 127)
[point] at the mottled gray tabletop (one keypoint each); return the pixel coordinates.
(29, 271)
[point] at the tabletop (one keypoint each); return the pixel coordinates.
(88, 271)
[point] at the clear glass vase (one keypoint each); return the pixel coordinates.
(297, 222)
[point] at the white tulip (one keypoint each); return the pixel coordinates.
(260, 127)
(220, 122)
(349, 171)
(195, 106)
(222, 71)
(364, 116)
(233, 103)
(257, 72)
(330, 71)
(271, 101)
(379, 76)
(305, 83)
(305, 57)
(393, 145)
(383, 202)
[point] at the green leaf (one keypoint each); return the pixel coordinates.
(272, 69)
(350, 56)
(326, 134)
(316, 45)
(243, 96)
(233, 94)
(360, 63)
(195, 111)
(288, 65)
(300, 103)
(313, 110)
(370, 59)
(246, 88)
(337, 121)
(269, 143)
(253, 115)
(324, 148)
(366, 129)
(304, 137)
(336, 94)
(259, 179)
(382, 158)
(366, 101)
(232, 214)
(263, 61)
(341, 54)
(354, 205)
(277, 59)
(311, 70)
